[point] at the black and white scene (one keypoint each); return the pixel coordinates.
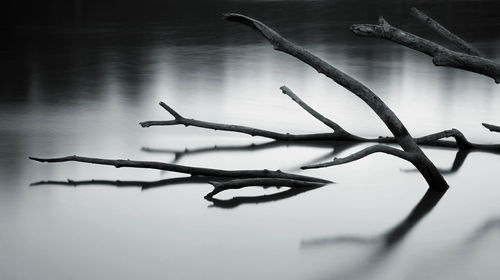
(250, 139)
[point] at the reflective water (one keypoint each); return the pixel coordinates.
(81, 87)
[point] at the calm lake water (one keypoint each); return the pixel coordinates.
(80, 85)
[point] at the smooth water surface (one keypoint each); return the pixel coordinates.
(81, 86)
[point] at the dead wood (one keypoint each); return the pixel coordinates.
(196, 171)
(441, 56)
(441, 30)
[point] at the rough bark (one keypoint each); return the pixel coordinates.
(441, 30)
(441, 56)
(434, 179)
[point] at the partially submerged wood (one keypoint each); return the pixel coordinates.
(441, 56)
(445, 33)
(234, 179)
(243, 177)
(196, 171)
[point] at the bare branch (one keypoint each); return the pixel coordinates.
(441, 55)
(441, 30)
(363, 153)
(262, 182)
(241, 129)
(331, 124)
(118, 163)
(434, 179)
(460, 139)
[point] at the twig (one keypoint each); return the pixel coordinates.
(238, 128)
(333, 125)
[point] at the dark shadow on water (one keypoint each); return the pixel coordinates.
(240, 200)
(144, 185)
(337, 146)
(458, 162)
(484, 230)
(385, 243)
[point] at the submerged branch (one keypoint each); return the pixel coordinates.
(432, 176)
(363, 153)
(118, 163)
(441, 55)
(441, 30)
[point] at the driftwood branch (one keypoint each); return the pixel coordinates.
(441, 56)
(441, 30)
(421, 162)
(433, 140)
(363, 153)
(196, 171)
(179, 120)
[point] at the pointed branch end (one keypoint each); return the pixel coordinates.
(491, 127)
(172, 112)
(37, 159)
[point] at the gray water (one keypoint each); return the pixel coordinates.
(82, 86)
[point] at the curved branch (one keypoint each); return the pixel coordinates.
(441, 55)
(118, 163)
(262, 182)
(434, 179)
(365, 152)
(460, 139)
(441, 30)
